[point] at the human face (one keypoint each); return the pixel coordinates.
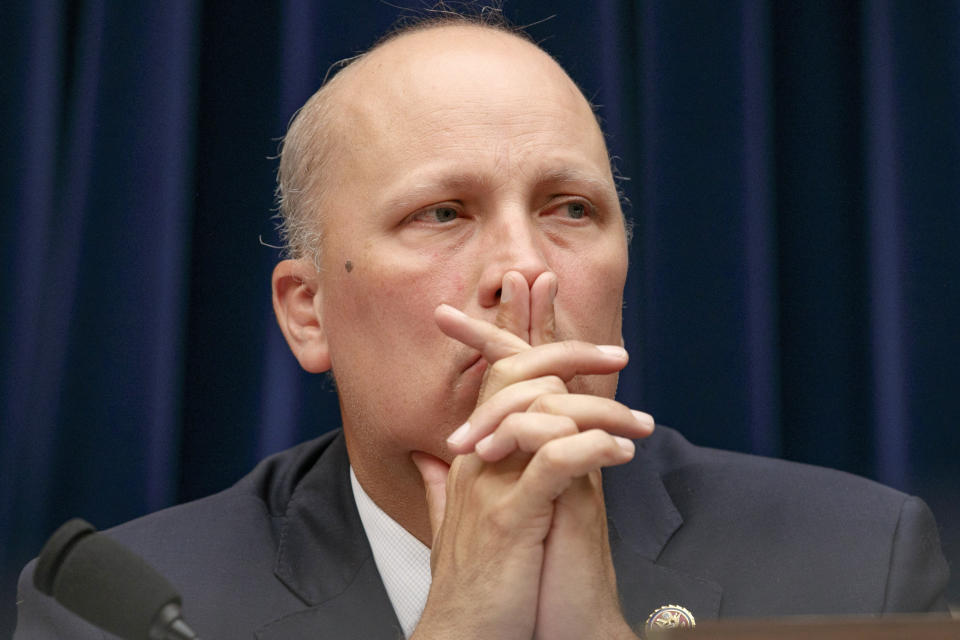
(467, 153)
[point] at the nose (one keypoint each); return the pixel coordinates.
(514, 244)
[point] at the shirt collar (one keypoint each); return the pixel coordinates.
(402, 560)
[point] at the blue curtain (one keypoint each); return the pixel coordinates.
(794, 176)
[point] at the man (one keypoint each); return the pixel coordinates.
(458, 263)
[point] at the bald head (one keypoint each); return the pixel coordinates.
(488, 73)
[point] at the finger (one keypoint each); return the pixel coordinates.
(525, 432)
(562, 359)
(542, 318)
(489, 414)
(558, 462)
(595, 412)
(585, 412)
(568, 358)
(513, 313)
(491, 341)
(433, 471)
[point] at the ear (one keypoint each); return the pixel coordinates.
(296, 301)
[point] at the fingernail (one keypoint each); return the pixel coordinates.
(625, 444)
(643, 418)
(484, 444)
(459, 436)
(554, 285)
(506, 292)
(453, 310)
(612, 350)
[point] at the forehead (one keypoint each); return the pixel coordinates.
(468, 51)
(468, 91)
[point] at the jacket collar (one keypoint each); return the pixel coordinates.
(325, 559)
(642, 520)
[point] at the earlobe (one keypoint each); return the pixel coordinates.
(295, 291)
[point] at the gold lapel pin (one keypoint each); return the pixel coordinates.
(670, 616)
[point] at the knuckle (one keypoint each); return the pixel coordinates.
(501, 521)
(553, 405)
(570, 348)
(600, 443)
(548, 330)
(500, 370)
(551, 456)
(553, 383)
(559, 425)
(569, 425)
(540, 404)
(549, 324)
(511, 424)
(598, 438)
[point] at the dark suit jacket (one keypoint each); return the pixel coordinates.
(282, 554)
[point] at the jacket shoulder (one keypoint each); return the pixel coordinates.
(796, 538)
(219, 552)
(692, 471)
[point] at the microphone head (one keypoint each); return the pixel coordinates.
(55, 550)
(102, 581)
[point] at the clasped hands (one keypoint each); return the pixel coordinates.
(520, 546)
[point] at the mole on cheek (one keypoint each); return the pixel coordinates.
(348, 266)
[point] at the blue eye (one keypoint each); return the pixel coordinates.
(434, 215)
(444, 214)
(576, 210)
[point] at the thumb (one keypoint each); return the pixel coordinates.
(433, 471)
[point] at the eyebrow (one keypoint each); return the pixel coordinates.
(570, 175)
(413, 195)
(425, 189)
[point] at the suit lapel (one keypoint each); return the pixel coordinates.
(362, 611)
(642, 519)
(644, 586)
(324, 558)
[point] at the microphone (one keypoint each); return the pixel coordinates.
(108, 585)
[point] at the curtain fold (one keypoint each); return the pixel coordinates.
(97, 202)
(885, 245)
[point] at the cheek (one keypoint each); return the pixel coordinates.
(590, 298)
(393, 301)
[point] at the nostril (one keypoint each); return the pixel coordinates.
(497, 294)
